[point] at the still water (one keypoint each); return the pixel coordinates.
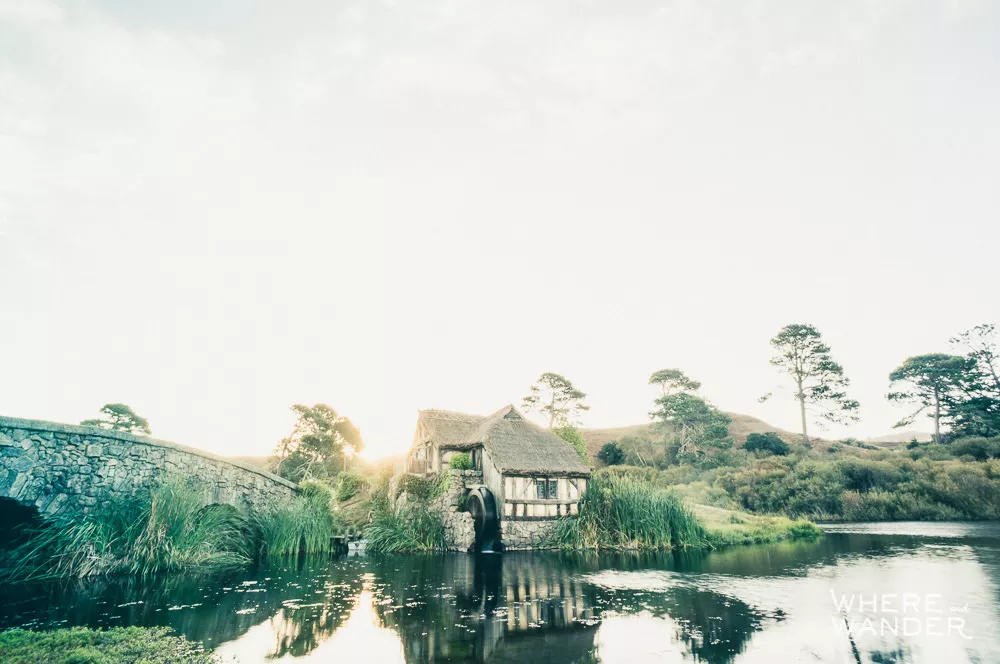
(872, 593)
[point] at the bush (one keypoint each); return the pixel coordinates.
(979, 449)
(118, 645)
(611, 454)
(423, 488)
(768, 443)
(461, 461)
(350, 484)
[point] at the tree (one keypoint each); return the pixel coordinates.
(119, 417)
(929, 382)
(554, 396)
(819, 381)
(692, 424)
(976, 410)
(768, 442)
(611, 454)
(572, 436)
(673, 380)
(319, 443)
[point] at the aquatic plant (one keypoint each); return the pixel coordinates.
(168, 529)
(303, 524)
(623, 512)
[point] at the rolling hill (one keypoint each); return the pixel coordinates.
(739, 429)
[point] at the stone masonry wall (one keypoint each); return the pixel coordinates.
(521, 535)
(459, 528)
(66, 469)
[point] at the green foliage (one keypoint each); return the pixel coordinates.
(304, 524)
(404, 522)
(620, 511)
(460, 461)
(572, 436)
(979, 449)
(673, 380)
(555, 397)
(319, 445)
(819, 381)
(118, 645)
(168, 530)
(929, 382)
(350, 484)
(423, 488)
(975, 409)
(892, 488)
(611, 454)
(691, 426)
(119, 417)
(767, 443)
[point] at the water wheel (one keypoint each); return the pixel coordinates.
(481, 504)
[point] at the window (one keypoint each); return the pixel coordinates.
(546, 489)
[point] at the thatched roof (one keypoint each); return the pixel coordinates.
(515, 445)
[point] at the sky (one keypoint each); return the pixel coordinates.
(212, 211)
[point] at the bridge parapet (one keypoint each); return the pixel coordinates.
(68, 469)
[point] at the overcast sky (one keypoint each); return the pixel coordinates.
(211, 211)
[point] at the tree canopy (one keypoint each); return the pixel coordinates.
(975, 409)
(319, 445)
(673, 380)
(119, 417)
(555, 397)
(691, 424)
(820, 383)
(929, 383)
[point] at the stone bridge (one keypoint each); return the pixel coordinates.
(66, 469)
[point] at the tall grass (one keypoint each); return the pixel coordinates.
(404, 523)
(304, 524)
(167, 530)
(622, 512)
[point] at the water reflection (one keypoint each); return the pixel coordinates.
(743, 605)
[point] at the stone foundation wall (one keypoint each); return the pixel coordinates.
(521, 535)
(66, 469)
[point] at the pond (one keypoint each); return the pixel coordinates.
(879, 593)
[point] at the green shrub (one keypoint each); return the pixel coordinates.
(423, 488)
(349, 485)
(767, 443)
(979, 449)
(118, 645)
(620, 511)
(461, 461)
(611, 454)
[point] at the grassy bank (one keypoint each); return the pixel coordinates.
(622, 510)
(730, 528)
(119, 645)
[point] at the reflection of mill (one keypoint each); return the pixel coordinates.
(504, 609)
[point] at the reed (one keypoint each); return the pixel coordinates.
(304, 524)
(401, 525)
(168, 530)
(622, 512)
